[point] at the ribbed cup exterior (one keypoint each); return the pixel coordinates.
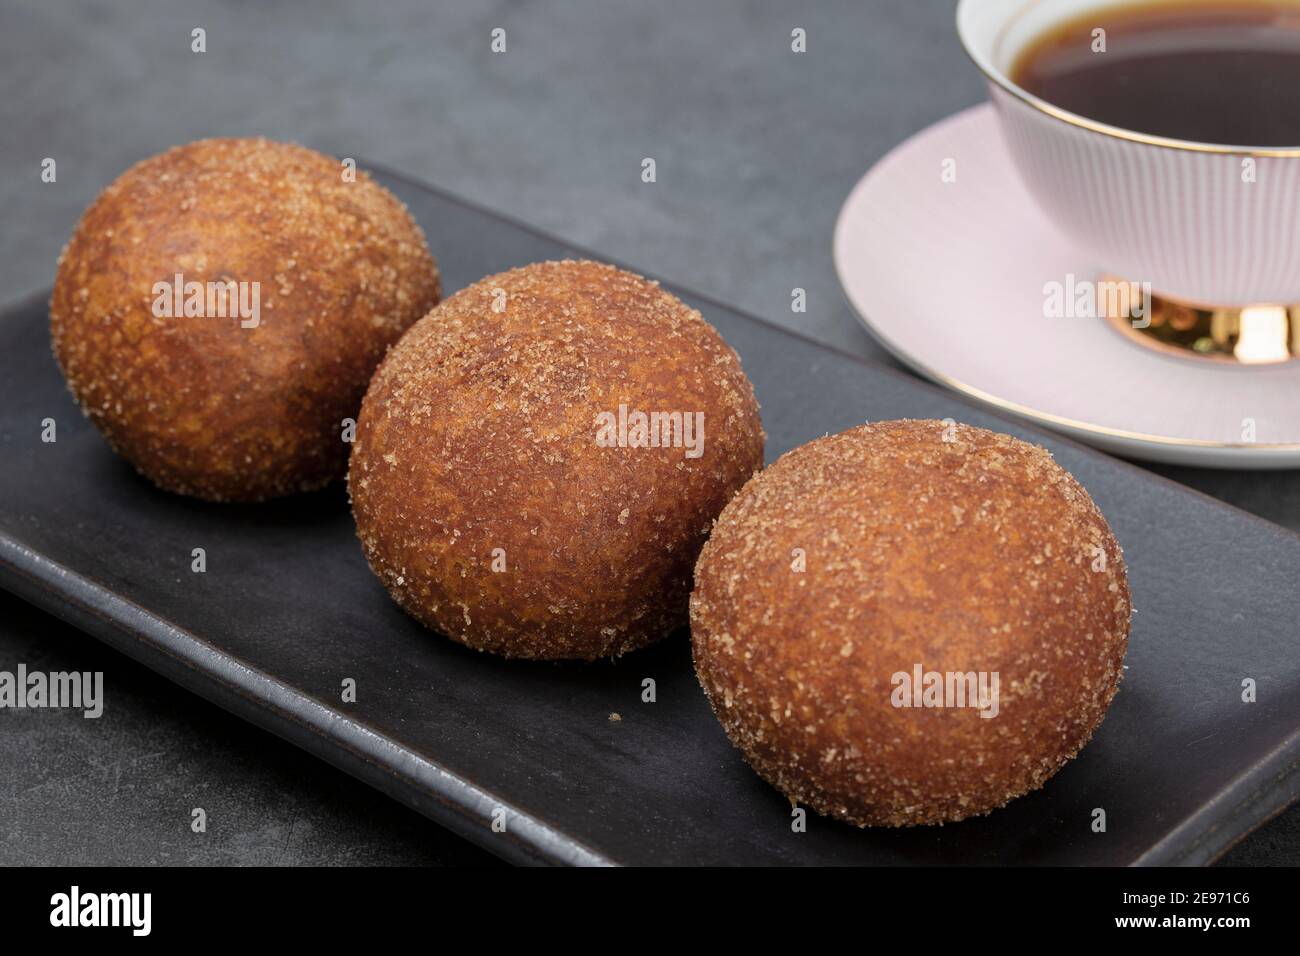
(1219, 228)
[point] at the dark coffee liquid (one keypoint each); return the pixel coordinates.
(1214, 71)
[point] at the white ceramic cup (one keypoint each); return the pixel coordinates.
(1210, 223)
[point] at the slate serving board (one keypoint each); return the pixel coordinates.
(287, 609)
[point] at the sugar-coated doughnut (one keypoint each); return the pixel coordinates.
(539, 460)
(910, 622)
(221, 307)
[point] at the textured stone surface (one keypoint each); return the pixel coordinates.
(755, 150)
(755, 146)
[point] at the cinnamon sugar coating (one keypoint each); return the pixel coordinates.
(209, 406)
(485, 502)
(977, 554)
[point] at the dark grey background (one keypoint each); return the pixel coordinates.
(756, 148)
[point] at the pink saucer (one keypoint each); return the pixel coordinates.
(952, 276)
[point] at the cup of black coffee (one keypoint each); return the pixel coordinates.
(1162, 135)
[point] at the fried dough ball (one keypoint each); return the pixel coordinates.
(505, 490)
(856, 600)
(220, 309)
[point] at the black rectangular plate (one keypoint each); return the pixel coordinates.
(288, 609)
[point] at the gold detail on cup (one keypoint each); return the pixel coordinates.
(1261, 334)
